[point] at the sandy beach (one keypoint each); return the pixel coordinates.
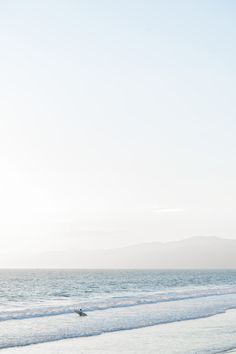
(207, 335)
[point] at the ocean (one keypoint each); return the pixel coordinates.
(37, 306)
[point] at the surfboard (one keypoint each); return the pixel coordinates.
(81, 314)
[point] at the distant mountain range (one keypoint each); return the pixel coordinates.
(195, 252)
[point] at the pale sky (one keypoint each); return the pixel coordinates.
(117, 122)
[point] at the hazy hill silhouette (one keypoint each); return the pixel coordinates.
(195, 252)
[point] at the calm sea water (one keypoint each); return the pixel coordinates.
(38, 305)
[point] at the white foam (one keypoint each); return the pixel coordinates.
(43, 329)
(51, 308)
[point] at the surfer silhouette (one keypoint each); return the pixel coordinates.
(80, 313)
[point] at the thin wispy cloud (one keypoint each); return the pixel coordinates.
(168, 210)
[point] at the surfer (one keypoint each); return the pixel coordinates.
(80, 313)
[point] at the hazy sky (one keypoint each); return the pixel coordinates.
(117, 122)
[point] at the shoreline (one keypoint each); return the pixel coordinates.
(215, 334)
